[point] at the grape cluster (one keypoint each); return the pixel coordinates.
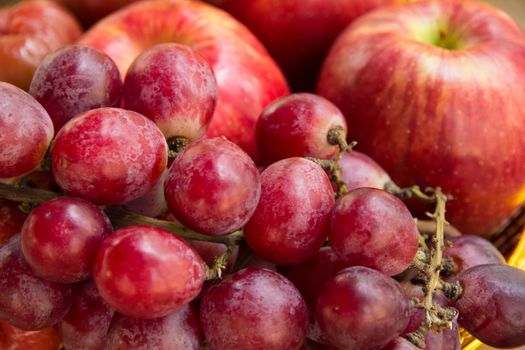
(307, 250)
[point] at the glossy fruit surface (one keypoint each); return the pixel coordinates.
(146, 272)
(73, 80)
(25, 131)
(12, 338)
(290, 222)
(86, 324)
(28, 301)
(372, 228)
(173, 86)
(298, 125)
(213, 186)
(359, 170)
(255, 309)
(60, 238)
(492, 306)
(109, 156)
(179, 330)
(352, 309)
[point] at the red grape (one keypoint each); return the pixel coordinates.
(492, 307)
(213, 186)
(153, 203)
(359, 170)
(146, 272)
(11, 220)
(400, 344)
(468, 251)
(87, 322)
(25, 132)
(372, 228)
(447, 339)
(75, 79)
(361, 308)
(208, 251)
(297, 126)
(61, 237)
(179, 330)
(27, 301)
(309, 278)
(109, 156)
(12, 338)
(254, 309)
(290, 222)
(173, 86)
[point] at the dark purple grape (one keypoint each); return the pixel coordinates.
(87, 322)
(361, 308)
(27, 301)
(492, 307)
(179, 330)
(254, 309)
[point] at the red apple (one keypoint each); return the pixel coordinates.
(248, 79)
(434, 92)
(90, 11)
(298, 33)
(28, 32)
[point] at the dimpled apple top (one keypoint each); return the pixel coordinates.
(25, 131)
(109, 156)
(247, 77)
(28, 32)
(434, 92)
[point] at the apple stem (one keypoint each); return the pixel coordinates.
(31, 197)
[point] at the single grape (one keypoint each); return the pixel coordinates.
(372, 228)
(11, 220)
(361, 308)
(359, 170)
(12, 338)
(27, 301)
(309, 278)
(298, 126)
(175, 87)
(290, 222)
(60, 238)
(213, 186)
(25, 132)
(468, 251)
(179, 330)
(447, 339)
(492, 306)
(254, 309)
(146, 272)
(400, 344)
(75, 79)
(87, 322)
(109, 156)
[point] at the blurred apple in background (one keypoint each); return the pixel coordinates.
(434, 92)
(90, 11)
(247, 77)
(298, 33)
(28, 32)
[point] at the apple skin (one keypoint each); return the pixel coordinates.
(28, 32)
(433, 116)
(247, 77)
(298, 33)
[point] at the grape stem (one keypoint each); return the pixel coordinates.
(430, 263)
(336, 136)
(119, 216)
(219, 265)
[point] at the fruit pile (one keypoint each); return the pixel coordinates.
(162, 188)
